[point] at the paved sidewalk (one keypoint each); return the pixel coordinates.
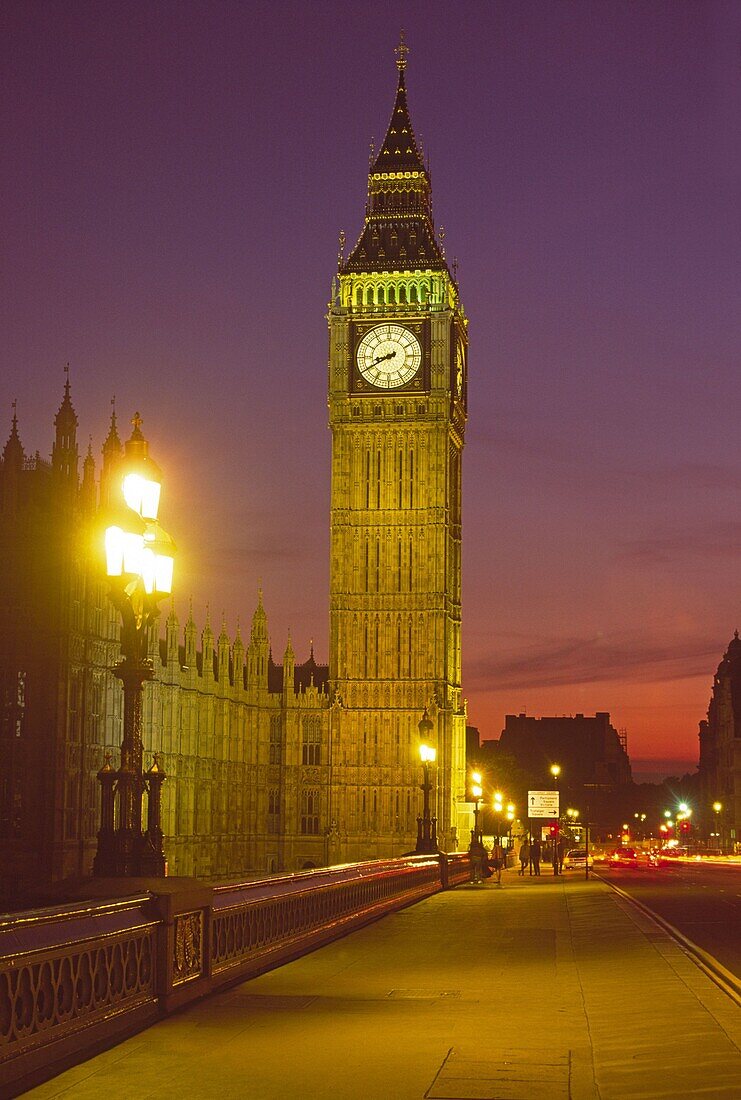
(540, 989)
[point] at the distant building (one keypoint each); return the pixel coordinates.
(720, 751)
(589, 750)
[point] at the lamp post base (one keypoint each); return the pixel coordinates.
(426, 836)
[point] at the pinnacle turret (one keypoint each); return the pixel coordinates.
(13, 449)
(259, 621)
(113, 445)
(171, 636)
(88, 489)
(64, 453)
(112, 452)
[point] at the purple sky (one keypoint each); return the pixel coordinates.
(173, 180)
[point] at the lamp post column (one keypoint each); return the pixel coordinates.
(718, 811)
(426, 802)
(555, 772)
(132, 674)
(426, 826)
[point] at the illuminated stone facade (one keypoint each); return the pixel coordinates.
(397, 407)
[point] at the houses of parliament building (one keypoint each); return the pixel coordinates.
(270, 766)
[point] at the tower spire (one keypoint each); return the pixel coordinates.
(399, 151)
(401, 51)
(399, 232)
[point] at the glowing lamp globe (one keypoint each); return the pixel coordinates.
(142, 493)
(158, 560)
(427, 754)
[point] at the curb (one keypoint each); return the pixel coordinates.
(717, 973)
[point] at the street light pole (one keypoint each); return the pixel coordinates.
(718, 810)
(477, 792)
(555, 772)
(476, 848)
(426, 825)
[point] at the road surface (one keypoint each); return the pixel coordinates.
(701, 900)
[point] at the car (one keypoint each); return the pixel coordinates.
(577, 858)
(623, 857)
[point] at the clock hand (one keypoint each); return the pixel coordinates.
(381, 358)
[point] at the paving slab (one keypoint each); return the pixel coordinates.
(540, 989)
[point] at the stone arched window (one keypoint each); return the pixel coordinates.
(310, 812)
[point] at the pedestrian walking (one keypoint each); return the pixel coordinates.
(559, 852)
(479, 861)
(524, 856)
(535, 856)
(497, 861)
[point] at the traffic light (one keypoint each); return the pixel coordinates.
(685, 826)
(554, 830)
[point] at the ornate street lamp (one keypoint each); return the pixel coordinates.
(510, 823)
(139, 564)
(718, 810)
(556, 827)
(498, 808)
(426, 825)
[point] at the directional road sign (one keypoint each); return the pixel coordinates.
(542, 804)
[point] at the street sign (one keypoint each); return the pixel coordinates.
(542, 804)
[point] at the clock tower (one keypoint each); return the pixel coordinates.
(397, 412)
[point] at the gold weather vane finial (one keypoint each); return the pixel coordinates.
(401, 52)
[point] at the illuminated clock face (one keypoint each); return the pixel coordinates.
(389, 356)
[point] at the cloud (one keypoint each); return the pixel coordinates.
(235, 560)
(720, 540)
(601, 471)
(593, 659)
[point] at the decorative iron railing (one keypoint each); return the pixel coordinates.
(74, 978)
(254, 927)
(79, 978)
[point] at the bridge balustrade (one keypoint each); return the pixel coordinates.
(78, 978)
